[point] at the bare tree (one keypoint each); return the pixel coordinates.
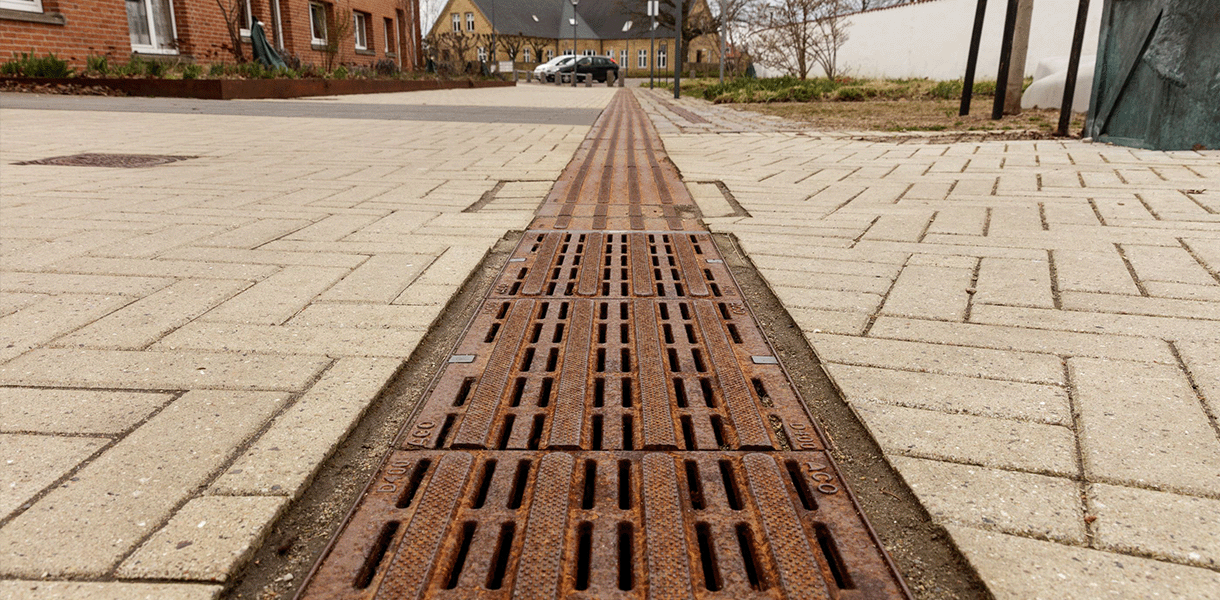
(796, 34)
(450, 49)
(512, 45)
(539, 45)
(233, 12)
(694, 22)
(339, 25)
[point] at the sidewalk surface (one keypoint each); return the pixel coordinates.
(1031, 330)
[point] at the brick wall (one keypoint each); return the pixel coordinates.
(99, 28)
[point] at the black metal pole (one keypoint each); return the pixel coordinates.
(1069, 84)
(972, 61)
(1001, 78)
(678, 53)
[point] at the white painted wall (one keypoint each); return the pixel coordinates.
(932, 39)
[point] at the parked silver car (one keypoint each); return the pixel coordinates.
(546, 71)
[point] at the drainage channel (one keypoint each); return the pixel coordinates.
(612, 424)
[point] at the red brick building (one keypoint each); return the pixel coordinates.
(195, 31)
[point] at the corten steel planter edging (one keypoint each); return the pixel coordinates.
(254, 89)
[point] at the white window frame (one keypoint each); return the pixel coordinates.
(641, 60)
(244, 28)
(314, 37)
(34, 6)
(568, 52)
(662, 58)
(469, 21)
(360, 30)
(526, 55)
(456, 19)
(152, 31)
(482, 50)
(550, 54)
(387, 26)
(590, 52)
(622, 57)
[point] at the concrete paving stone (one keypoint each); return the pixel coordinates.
(812, 320)
(762, 244)
(332, 228)
(1122, 208)
(61, 283)
(1017, 568)
(1007, 501)
(368, 316)
(1141, 305)
(1154, 263)
(954, 394)
(85, 526)
(255, 233)
(1202, 360)
(1183, 291)
(1070, 214)
(284, 460)
(11, 302)
(152, 244)
(208, 539)
(899, 227)
(930, 292)
(52, 317)
(146, 320)
(1143, 424)
(1167, 526)
(32, 258)
(1166, 328)
(938, 358)
(380, 279)
(875, 270)
(419, 294)
(283, 339)
(838, 300)
(400, 222)
(1014, 282)
(15, 589)
(954, 245)
(323, 258)
(827, 281)
(1010, 220)
(277, 298)
(1207, 250)
(161, 268)
(1023, 339)
(30, 463)
(88, 412)
(363, 245)
(455, 265)
(1093, 272)
(997, 443)
(124, 369)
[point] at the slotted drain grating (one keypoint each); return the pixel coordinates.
(612, 424)
(606, 525)
(616, 264)
(619, 374)
(125, 161)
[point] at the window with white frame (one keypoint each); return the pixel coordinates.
(389, 35)
(482, 53)
(609, 54)
(550, 54)
(641, 60)
(568, 52)
(245, 17)
(589, 52)
(317, 23)
(469, 21)
(527, 56)
(34, 6)
(151, 25)
(456, 18)
(662, 58)
(622, 57)
(360, 30)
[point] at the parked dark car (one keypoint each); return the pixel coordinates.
(599, 67)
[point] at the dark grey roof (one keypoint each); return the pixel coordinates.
(596, 19)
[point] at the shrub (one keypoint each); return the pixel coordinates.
(339, 73)
(97, 65)
(953, 89)
(217, 70)
(28, 65)
(192, 71)
(155, 68)
(850, 94)
(386, 67)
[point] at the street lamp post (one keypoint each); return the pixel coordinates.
(574, 54)
(653, 8)
(722, 25)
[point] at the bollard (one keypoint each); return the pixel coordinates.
(621, 80)
(589, 80)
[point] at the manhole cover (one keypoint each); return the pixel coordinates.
(126, 161)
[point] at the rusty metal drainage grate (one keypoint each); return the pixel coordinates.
(127, 161)
(612, 265)
(609, 375)
(605, 525)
